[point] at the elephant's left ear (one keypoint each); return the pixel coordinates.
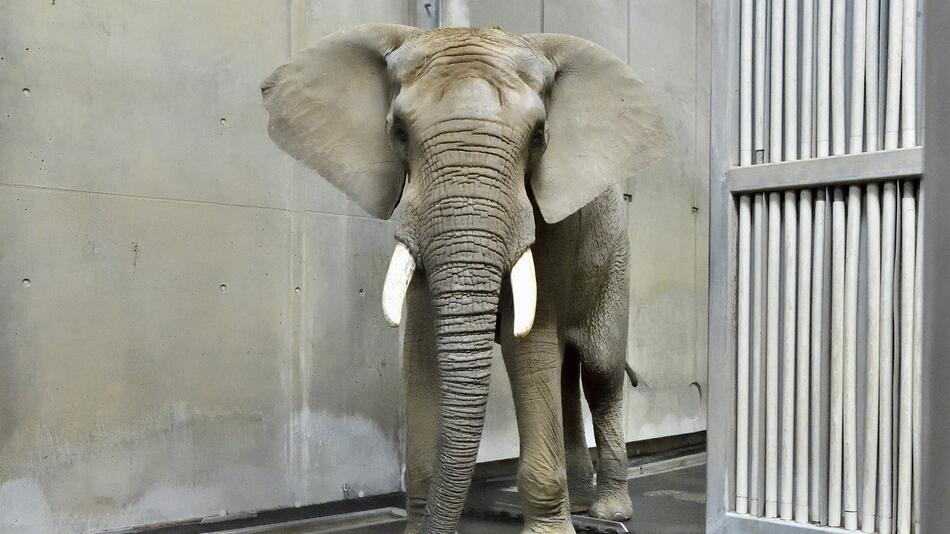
(603, 125)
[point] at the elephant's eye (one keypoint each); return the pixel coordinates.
(538, 140)
(399, 131)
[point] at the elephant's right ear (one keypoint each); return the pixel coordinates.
(328, 108)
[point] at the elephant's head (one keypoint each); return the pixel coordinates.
(467, 129)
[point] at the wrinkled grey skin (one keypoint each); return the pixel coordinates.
(491, 143)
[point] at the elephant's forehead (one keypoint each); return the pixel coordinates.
(444, 54)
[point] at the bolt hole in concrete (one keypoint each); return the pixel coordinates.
(362, 292)
(224, 122)
(298, 290)
(26, 91)
(223, 288)
(26, 282)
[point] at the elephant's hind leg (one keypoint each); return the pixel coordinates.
(580, 469)
(601, 342)
(604, 392)
(422, 402)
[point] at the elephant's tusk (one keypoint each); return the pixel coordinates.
(524, 291)
(401, 268)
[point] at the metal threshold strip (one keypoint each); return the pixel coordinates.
(327, 524)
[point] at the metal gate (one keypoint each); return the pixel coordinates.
(816, 265)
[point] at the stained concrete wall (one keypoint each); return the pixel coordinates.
(190, 320)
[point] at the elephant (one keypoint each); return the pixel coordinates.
(504, 154)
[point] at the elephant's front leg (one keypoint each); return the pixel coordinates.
(534, 368)
(422, 402)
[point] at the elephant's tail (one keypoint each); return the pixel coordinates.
(634, 380)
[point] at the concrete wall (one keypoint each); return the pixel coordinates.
(191, 320)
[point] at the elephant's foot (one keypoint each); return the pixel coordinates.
(612, 503)
(545, 527)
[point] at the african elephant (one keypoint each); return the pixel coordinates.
(504, 153)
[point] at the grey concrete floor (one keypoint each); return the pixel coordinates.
(672, 502)
(668, 493)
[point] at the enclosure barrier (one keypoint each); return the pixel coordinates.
(826, 96)
(816, 202)
(834, 465)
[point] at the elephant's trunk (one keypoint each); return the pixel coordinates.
(465, 302)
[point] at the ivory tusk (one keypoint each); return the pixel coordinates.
(398, 276)
(524, 292)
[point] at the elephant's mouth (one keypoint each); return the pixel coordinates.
(524, 288)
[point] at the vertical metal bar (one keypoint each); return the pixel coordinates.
(455, 14)
(838, 145)
(772, 356)
(909, 76)
(791, 80)
(756, 500)
(776, 86)
(788, 357)
(882, 52)
(836, 427)
(908, 271)
(745, 85)
(858, 45)
(871, 79)
(918, 364)
(888, 244)
(823, 81)
(850, 359)
(803, 355)
(869, 493)
(742, 349)
(761, 47)
(934, 364)
(892, 107)
(817, 322)
(723, 227)
(808, 79)
(896, 375)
